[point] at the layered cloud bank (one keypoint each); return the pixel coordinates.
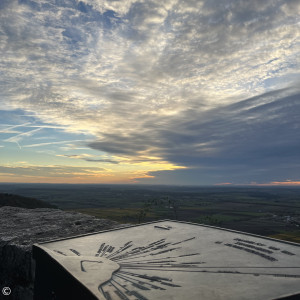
(182, 92)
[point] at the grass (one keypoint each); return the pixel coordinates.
(293, 236)
(123, 215)
(260, 223)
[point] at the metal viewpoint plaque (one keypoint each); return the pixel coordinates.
(167, 260)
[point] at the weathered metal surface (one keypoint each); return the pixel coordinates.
(176, 260)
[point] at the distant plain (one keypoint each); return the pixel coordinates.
(268, 211)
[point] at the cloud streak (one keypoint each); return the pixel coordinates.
(89, 158)
(17, 138)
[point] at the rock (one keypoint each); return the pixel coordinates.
(21, 228)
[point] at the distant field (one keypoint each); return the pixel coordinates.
(265, 211)
(123, 215)
(293, 236)
(261, 223)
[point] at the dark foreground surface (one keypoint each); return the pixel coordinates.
(21, 228)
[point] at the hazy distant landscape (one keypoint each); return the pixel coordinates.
(269, 211)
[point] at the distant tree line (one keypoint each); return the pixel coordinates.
(24, 202)
(172, 205)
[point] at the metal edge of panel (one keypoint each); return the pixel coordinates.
(37, 251)
(289, 296)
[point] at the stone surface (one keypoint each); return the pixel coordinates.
(20, 228)
(174, 260)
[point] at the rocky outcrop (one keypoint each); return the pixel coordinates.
(20, 228)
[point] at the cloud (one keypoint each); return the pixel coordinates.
(49, 171)
(202, 84)
(102, 160)
(255, 138)
(30, 173)
(273, 183)
(281, 183)
(188, 50)
(89, 158)
(12, 129)
(19, 137)
(49, 143)
(230, 127)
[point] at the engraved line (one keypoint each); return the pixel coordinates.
(179, 265)
(100, 249)
(253, 252)
(287, 252)
(138, 285)
(138, 295)
(139, 281)
(184, 241)
(140, 250)
(122, 248)
(161, 227)
(233, 272)
(151, 250)
(250, 242)
(60, 252)
(105, 294)
(104, 250)
(123, 286)
(120, 294)
(254, 247)
(152, 278)
(75, 251)
(160, 258)
(158, 267)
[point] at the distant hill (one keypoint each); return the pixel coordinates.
(21, 201)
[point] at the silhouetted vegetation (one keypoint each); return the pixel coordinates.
(21, 201)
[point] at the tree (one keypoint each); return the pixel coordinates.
(171, 204)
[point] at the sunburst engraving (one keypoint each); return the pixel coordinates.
(121, 281)
(172, 262)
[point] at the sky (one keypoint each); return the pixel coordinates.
(195, 92)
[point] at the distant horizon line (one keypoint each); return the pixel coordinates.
(286, 185)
